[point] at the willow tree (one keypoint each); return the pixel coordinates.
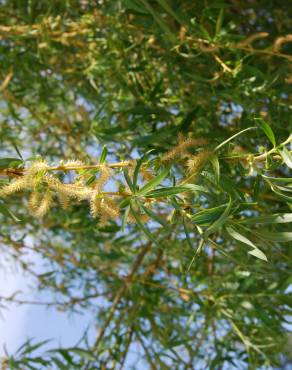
(146, 151)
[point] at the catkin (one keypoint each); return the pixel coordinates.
(14, 187)
(197, 162)
(183, 145)
(44, 205)
(105, 174)
(95, 205)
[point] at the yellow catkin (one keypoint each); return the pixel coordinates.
(36, 172)
(44, 205)
(70, 190)
(34, 201)
(197, 162)
(15, 186)
(36, 167)
(104, 208)
(110, 208)
(183, 145)
(64, 200)
(95, 205)
(75, 191)
(105, 174)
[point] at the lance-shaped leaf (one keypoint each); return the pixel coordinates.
(125, 217)
(103, 155)
(220, 221)
(155, 217)
(164, 192)
(208, 215)
(277, 179)
(233, 137)
(286, 155)
(277, 218)
(6, 212)
(138, 166)
(267, 130)
(256, 252)
(277, 236)
(141, 225)
(10, 162)
(128, 180)
(154, 182)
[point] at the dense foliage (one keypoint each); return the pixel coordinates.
(150, 141)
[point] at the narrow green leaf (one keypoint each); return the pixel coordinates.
(187, 233)
(6, 212)
(10, 162)
(277, 218)
(160, 21)
(281, 195)
(220, 221)
(200, 247)
(17, 151)
(267, 130)
(125, 217)
(141, 225)
(277, 179)
(277, 236)
(138, 166)
(286, 155)
(169, 10)
(219, 21)
(197, 188)
(154, 182)
(239, 237)
(216, 166)
(128, 180)
(164, 192)
(208, 215)
(259, 254)
(233, 137)
(91, 179)
(135, 6)
(256, 252)
(82, 353)
(155, 217)
(125, 202)
(103, 155)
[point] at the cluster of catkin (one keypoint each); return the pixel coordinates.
(43, 186)
(194, 162)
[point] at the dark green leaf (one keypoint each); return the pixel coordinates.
(154, 182)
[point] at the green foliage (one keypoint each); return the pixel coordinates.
(173, 121)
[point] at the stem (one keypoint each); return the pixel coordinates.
(263, 156)
(120, 293)
(125, 353)
(21, 171)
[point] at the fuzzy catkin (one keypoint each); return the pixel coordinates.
(183, 145)
(197, 162)
(14, 187)
(105, 174)
(95, 205)
(44, 205)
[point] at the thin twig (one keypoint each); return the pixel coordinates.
(125, 353)
(120, 294)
